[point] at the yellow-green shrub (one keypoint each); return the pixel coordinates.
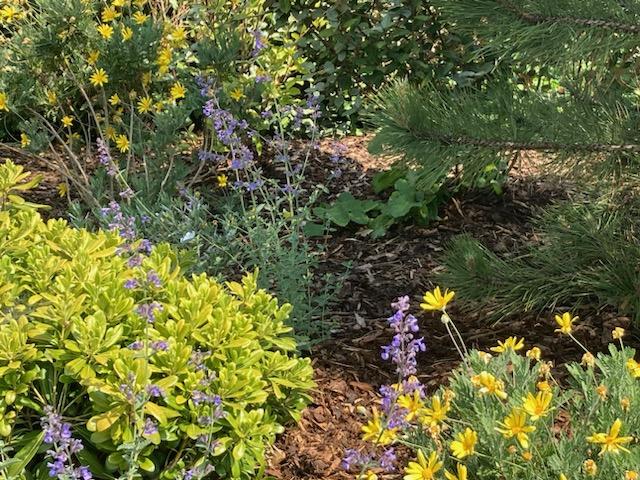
(68, 332)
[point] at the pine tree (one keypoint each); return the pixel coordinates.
(565, 84)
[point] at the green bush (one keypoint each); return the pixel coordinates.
(157, 374)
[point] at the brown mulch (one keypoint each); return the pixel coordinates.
(348, 368)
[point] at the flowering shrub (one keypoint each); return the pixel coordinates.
(503, 414)
(119, 82)
(112, 363)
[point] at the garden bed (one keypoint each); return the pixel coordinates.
(348, 369)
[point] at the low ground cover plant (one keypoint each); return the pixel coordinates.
(503, 415)
(115, 365)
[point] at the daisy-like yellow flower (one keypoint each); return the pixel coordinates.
(611, 441)
(534, 354)
(590, 467)
(527, 456)
(485, 357)
(52, 98)
(617, 333)
(119, 3)
(178, 36)
(436, 413)
(105, 30)
(236, 94)
(461, 473)
(565, 321)
(164, 59)
(110, 132)
(562, 477)
(537, 406)
(139, 17)
(435, 300)
(67, 121)
(634, 368)
(602, 391)
(145, 104)
(588, 360)
(511, 343)
(122, 142)
(126, 33)
(93, 56)
(374, 431)
(631, 475)
(177, 91)
(99, 78)
(223, 181)
(464, 444)
(370, 475)
(489, 385)
(423, 469)
(114, 99)
(3, 102)
(140, 3)
(515, 425)
(62, 189)
(412, 403)
(9, 13)
(625, 403)
(25, 141)
(109, 14)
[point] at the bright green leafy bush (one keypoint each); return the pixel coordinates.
(117, 341)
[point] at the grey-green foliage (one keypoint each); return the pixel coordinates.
(587, 253)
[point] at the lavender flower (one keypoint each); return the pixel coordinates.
(258, 42)
(155, 391)
(154, 279)
(404, 347)
(136, 346)
(159, 346)
(148, 311)
(150, 427)
(134, 261)
(118, 221)
(58, 434)
(127, 194)
(355, 460)
(131, 283)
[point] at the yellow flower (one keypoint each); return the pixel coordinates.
(9, 13)
(222, 181)
(625, 403)
(67, 121)
(511, 343)
(139, 18)
(590, 467)
(145, 104)
(114, 99)
(413, 404)
(236, 94)
(178, 36)
(602, 391)
(464, 444)
(515, 425)
(617, 333)
(527, 456)
(534, 353)
(489, 385)
(99, 78)
(588, 360)
(562, 477)
(436, 300)
(52, 98)
(110, 132)
(62, 189)
(461, 473)
(631, 475)
(164, 59)
(127, 33)
(140, 3)
(105, 30)
(634, 368)
(122, 142)
(146, 78)
(565, 322)
(119, 3)
(611, 441)
(485, 357)
(177, 91)
(109, 14)
(435, 414)
(374, 431)
(537, 406)
(423, 469)
(3, 102)
(93, 57)
(25, 141)
(543, 386)
(370, 475)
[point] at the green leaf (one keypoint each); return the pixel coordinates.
(24, 456)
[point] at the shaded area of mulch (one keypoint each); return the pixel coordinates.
(348, 368)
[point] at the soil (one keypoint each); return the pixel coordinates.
(348, 367)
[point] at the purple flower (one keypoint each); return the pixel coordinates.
(104, 157)
(136, 346)
(131, 283)
(148, 311)
(134, 261)
(262, 78)
(127, 194)
(154, 279)
(258, 43)
(118, 221)
(404, 346)
(145, 246)
(159, 346)
(354, 460)
(150, 427)
(388, 460)
(155, 391)
(58, 434)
